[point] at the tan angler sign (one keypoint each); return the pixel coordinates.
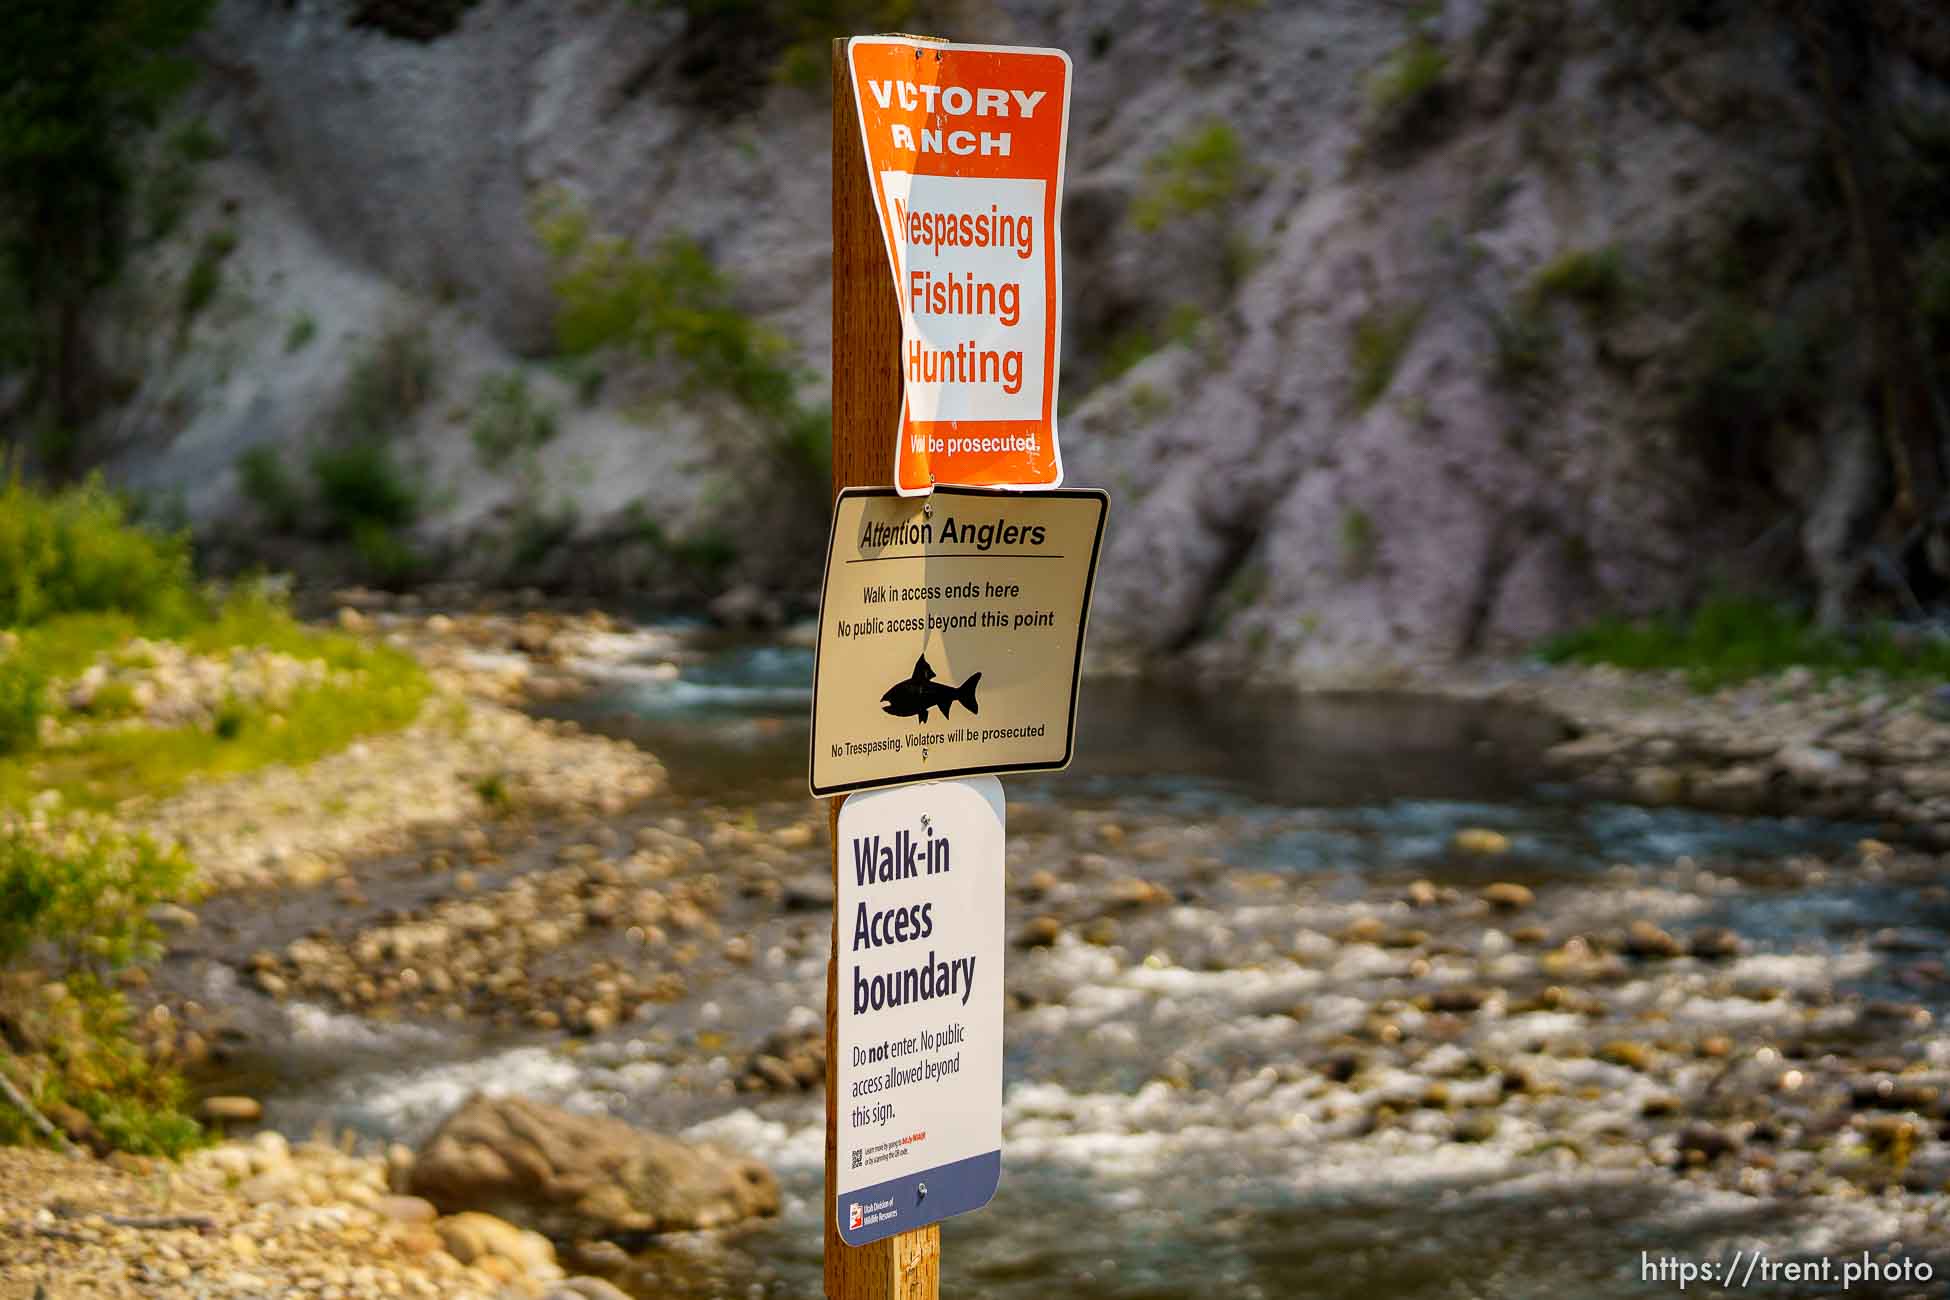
(951, 634)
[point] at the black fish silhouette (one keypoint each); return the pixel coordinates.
(919, 693)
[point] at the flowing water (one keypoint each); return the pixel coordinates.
(1165, 1134)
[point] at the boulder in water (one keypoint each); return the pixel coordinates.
(575, 1177)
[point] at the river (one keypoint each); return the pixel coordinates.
(1309, 1063)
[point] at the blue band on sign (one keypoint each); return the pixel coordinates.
(899, 1205)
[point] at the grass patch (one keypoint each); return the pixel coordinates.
(1131, 346)
(1358, 542)
(1407, 95)
(23, 695)
(1381, 337)
(1204, 170)
(109, 767)
(299, 334)
(1730, 639)
(1594, 279)
(77, 582)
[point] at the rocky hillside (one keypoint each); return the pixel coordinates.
(1398, 332)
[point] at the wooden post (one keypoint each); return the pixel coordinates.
(866, 407)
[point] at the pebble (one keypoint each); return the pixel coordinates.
(585, 1288)
(232, 1110)
(1480, 842)
(1507, 896)
(1715, 944)
(1648, 942)
(1706, 1143)
(1039, 932)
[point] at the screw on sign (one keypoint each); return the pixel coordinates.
(965, 149)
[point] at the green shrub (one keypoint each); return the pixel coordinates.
(83, 1054)
(1204, 170)
(509, 419)
(1731, 638)
(1407, 93)
(387, 557)
(303, 329)
(23, 696)
(1749, 369)
(359, 484)
(1592, 278)
(387, 384)
(205, 275)
(1381, 337)
(269, 486)
(86, 890)
(675, 303)
(74, 551)
(1132, 345)
(1357, 542)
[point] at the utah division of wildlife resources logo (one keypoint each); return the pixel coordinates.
(855, 1217)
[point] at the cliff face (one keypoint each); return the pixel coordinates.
(1397, 335)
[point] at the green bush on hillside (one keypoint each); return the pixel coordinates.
(360, 486)
(1381, 338)
(677, 304)
(1592, 278)
(74, 551)
(510, 420)
(1202, 171)
(23, 690)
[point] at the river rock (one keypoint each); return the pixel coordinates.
(1658, 784)
(232, 1110)
(1939, 705)
(1508, 897)
(811, 892)
(1478, 841)
(1808, 762)
(1039, 932)
(1705, 1143)
(471, 1237)
(1715, 943)
(585, 1288)
(577, 1176)
(1648, 942)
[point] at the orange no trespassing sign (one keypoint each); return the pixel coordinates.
(965, 147)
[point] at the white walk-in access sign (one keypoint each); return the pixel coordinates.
(919, 1045)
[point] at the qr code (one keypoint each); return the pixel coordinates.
(859, 1157)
